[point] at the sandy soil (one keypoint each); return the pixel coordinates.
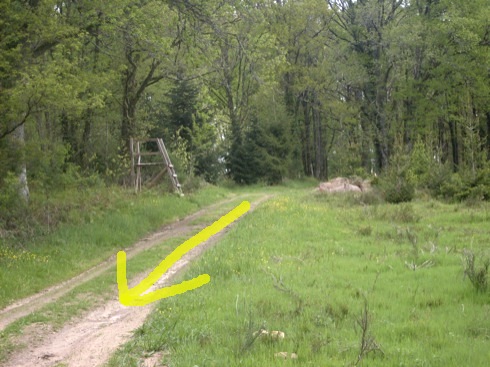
(91, 340)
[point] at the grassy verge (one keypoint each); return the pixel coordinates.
(114, 219)
(347, 284)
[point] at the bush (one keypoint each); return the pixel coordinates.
(12, 207)
(397, 189)
(192, 183)
(206, 153)
(398, 182)
(478, 276)
(465, 186)
(421, 162)
(397, 185)
(264, 154)
(439, 175)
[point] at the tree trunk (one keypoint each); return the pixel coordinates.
(87, 128)
(488, 136)
(454, 144)
(319, 143)
(128, 106)
(307, 164)
(19, 136)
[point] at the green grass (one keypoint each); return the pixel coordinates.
(94, 292)
(308, 265)
(97, 290)
(112, 220)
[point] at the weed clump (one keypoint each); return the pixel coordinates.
(365, 230)
(405, 214)
(402, 213)
(368, 343)
(478, 276)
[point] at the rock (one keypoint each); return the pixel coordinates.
(342, 184)
(260, 333)
(274, 334)
(286, 355)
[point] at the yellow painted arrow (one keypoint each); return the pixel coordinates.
(135, 296)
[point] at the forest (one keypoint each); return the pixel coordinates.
(249, 91)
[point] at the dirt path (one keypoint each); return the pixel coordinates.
(33, 303)
(91, 340)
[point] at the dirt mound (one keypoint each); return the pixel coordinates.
(342, 184)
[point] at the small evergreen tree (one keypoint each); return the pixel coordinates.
(182, 108)
(263, 155)
(398, 181)
(242, 159)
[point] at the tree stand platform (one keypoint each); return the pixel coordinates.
(137, 154)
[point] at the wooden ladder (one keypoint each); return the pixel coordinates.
(136, 164)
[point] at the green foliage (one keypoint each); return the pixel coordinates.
(48, 167)
(421, 163)
(182, 109)
(13, 209)
(452, 187)
(207, 152)
(465, 186)
(189, 118)
(439, 175)
(398, 183)
(272, 95)
(264, 155)
(478, 276)
(181, 157)
(242, 160)
(396, 189)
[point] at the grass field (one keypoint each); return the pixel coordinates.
(347, 283)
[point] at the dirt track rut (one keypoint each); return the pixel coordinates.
(91, 340)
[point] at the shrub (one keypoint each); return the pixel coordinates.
(397, 185)
(365, 230)
(478, 276)
(192, 183)
(438, 176)
(466, 186)
(264, 154)
(421, 163)
(452, 188)
(398, 190)
(206, 153)
(12, 207)
(398, 182)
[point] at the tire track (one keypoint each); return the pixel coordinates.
(92, 339)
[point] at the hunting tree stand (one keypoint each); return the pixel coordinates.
(137, 152)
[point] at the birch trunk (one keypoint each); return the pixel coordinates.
(19, 136)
